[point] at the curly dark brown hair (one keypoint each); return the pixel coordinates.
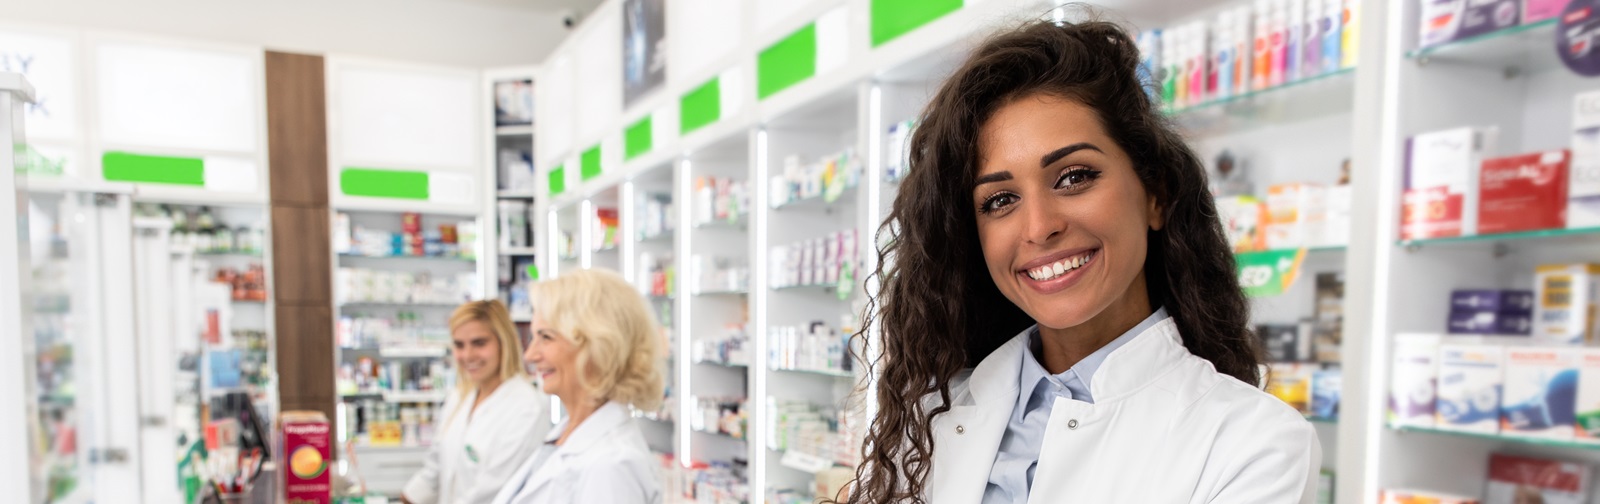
(940, 311)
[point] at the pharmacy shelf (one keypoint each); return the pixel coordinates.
(1309, 250)
(722, 293)
(1323, 420)
(719, 434)
(663, 237)
(802, 461)
(729, 365)
(454, 258)
(230, 255)
(385, 304)
(1551, 235)
(739, 222)
(408, 351)
(831, 373)
(1342, 77)
(1528, 48)
(514, 130)
(515, 195)
(398, 397)
(819, 202)
(1575, 445)
(518, 251)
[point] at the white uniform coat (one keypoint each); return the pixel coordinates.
(605, 460)
(475, 452)
(1165, 427)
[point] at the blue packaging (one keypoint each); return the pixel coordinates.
(1470, 378)
(1490, 323)
(1509, 302)
(1332, 29)
(1326, 391)
(1541, 392)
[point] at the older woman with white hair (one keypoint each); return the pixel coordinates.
(597, 348)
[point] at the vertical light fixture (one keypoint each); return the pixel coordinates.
(684, 201)
(586, 224)
(629, 238)
(870, 234)
(552, 255)
(758, 292)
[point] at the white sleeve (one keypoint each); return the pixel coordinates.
(517, 436)
(1282, 463)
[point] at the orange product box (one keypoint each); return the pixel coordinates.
(306, 445)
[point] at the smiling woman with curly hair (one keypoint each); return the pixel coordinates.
(1059, 313)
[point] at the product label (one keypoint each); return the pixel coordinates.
(1431, 213)
(1523, 193)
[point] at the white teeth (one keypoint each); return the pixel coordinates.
(1058, 268)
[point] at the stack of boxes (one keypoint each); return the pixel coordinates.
(1295, 215)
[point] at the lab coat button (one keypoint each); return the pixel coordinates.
(961, 430)
(1072, 424)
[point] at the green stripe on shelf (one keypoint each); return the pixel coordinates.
(787, 62)
(700, 107)
(893, 18)
(589, 167)
(379, 183)
(638, 139)
(558, 180)
(129, 167)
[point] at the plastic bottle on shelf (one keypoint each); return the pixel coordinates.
(1294, 31)
(1332, 20)
(1351, 35)
(1311, 40)
(1222, 63)
(1277, 39)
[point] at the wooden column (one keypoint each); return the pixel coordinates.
(297, 143)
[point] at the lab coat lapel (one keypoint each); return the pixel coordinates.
(591, 431)
(967, 437)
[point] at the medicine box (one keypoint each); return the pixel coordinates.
(305, 444)
(1565, 313)
(1523, 193)
(1291, 383)
(1412, 384)
(1534, 11)
(1493, 300)
(1516, 479)
(1541, 387)
(1244, 218)
(1451, 20)
(1482, 322)
(1336, 218)
(1327, 389)
(1583, 186)
(1295, 215)
(1421, 497)
(1469, 388)
(1441, 189)
(1587, 410)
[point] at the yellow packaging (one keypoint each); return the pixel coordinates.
(1566, 303)
(1291, 383)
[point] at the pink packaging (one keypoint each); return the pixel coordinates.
(1534, 11)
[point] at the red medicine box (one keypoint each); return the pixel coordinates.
(1523, 193)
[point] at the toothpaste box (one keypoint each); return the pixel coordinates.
(1244, 218)
(1327, 389)
(1566, 309)
(1583, 186)
(1450, 20)
(1469, 388)
(306, 447)
(1492, 300)
(1295, 215)
(1541, 389)
(1587, 409)
(1534, 11)
(1412, 382)
(1441, 186)
(1490, 323)
(1523, 193)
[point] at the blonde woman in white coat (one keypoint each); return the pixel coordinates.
(493, 420)
(597, 348)
(1060, 320)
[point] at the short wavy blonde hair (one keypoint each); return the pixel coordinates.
(491, 313)
(616, 336)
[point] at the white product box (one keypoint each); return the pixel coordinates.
(1295, 215)
(1540, 392)
(1412, 387)
(1336, 218)
(1583, 187)
(1565, 303)
(1469, 388)
(1586, 421)
(1445, 162)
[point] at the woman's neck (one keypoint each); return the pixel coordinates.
(487, 386)
(578, 410)
(1060, 349)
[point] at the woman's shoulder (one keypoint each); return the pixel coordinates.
(1248, 408)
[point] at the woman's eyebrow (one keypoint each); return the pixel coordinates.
(993, 177)
(1056, 155)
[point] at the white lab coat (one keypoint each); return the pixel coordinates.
(475, 452)
(1165, 427)
(605, 460)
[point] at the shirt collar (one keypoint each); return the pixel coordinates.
(1033, 372)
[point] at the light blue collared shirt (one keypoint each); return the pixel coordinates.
(1012, 473)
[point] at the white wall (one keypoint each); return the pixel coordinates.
(438, 31)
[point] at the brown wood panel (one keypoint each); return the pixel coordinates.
(305, 355)
(302, 255)
(297, 128)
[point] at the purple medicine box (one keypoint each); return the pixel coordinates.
(1509, 302)
(1488, 322)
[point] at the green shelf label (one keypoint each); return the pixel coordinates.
(558, 180)
(893, 18)
(700, 107)
(637, 140)
(787, 62)
(589, 166)
(380, 183)
(129, 167)
(1269, 273)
